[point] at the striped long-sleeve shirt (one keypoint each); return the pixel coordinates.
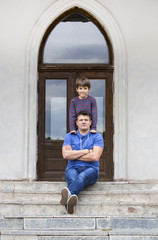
(76, 105)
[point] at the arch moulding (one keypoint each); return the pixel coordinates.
(102, 15)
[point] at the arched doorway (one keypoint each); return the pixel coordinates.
(75, 44)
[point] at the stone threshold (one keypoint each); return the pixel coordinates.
(104, 232)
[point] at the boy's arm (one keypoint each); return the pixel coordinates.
(70, 154)
(94, 114)
(93, 156)
(72, 116)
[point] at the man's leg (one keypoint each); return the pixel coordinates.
(76, 181)
(68, 199)
(86, 177)
(71, 175)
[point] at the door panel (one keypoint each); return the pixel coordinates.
(56, 89)
(98, 91)
(55, 107)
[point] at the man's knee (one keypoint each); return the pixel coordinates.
(70, 175)
(89, 176)
(89, 173)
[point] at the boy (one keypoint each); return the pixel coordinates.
(83, 102)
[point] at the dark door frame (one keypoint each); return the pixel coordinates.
(44, 146)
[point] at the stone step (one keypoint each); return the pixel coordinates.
(17, 193)
(3, 237)
(80, 228)
(109, 211)
(85, 196)
(42, 198)
(78, 238)
(79, 235)
(31, 187)
(54, 235)
(85, 208)
(48, 187)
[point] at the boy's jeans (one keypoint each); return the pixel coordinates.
(79, 177)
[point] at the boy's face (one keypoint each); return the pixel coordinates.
(83, 92)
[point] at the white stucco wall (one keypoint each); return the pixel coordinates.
(17, 19)
(137, 22)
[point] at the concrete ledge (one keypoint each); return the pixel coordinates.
(133, 238)
(85, 209)
(11, 223)
(122, 216)
(55, 233)
(96, 233)
(60, 223)
(132, 224)
(74, 238)
(47, 187)
(19, 237)
(14, 237)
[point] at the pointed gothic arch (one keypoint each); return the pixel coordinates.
(120, 84)
(74, 45)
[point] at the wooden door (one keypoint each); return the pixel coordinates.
(55, 90)
(74, 44)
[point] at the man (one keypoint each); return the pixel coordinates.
(83, 151)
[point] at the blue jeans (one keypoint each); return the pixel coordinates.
(79, 177)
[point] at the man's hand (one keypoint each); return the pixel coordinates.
(70, 154)
(93, 131)
(86, 155)
(73, 131)
(93, 156)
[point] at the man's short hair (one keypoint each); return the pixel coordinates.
(84, 113)
(83, 81)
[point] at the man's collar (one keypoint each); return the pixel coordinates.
(80, 134)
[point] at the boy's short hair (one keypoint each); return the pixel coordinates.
(84, 113)
(83, 81)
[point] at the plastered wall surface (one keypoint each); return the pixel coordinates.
(137, 21)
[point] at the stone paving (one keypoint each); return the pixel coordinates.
(109, 211)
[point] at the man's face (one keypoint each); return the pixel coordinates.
(83, 123)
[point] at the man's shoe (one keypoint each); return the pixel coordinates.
(64, 196)
(72, 201)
